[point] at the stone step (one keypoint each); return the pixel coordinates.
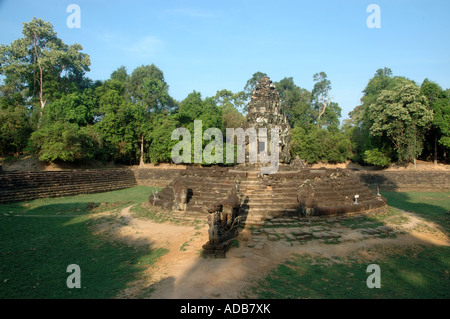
(63, 180)
(270, 196)
(342, 191)
(52, 192)
(269, 201)
(18, 186)
(333, 201)
(269, 213)
(68, 186)
(31, 196)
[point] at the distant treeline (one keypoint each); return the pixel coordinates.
(48, 107)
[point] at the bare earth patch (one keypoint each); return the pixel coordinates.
(184, 273)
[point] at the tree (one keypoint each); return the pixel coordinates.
(149, 92)
(160, 137)
(42, 64)
(66, 132)
(377, 158)
(402, 115)
(116, 121)
(15, 122)
(230, 103)
(78, 107)
(15, 130)
(320, 97)
(64, 141)
(192, 108)
(439, 102)
(131, 107)
(320, 145)
(295, 102)
(360, 122)
(120, 75)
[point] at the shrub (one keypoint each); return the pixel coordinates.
(377, 158)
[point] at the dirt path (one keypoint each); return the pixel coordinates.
(184, 273)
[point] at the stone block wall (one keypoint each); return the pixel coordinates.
(20, 186)
(24, 186)
(406, 181)
(155, 177)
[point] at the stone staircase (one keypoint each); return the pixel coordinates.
(262, 200)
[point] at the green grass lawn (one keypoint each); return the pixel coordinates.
(415, 272)
(35, 251)
(433, 207)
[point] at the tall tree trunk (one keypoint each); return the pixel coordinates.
(141, 160)
(41, 91)
(321, 112)
(435, 150)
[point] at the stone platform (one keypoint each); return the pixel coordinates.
(300, 193)
(290, 196)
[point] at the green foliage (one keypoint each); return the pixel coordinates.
(117, 128)
(361, 122)
(148, 88)
(320, 145)
(230, 104)
(402, 115)
(439, 102)
(46, 102)
(295, 103)
(192, 108)
(43, 65)
(15, 130)
(40, 67)
(320, 95)
(63, 142)
(377, 158)
(160, 138)
(77, 107)
(394, 117)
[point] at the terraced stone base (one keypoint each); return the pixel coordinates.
(282, 205)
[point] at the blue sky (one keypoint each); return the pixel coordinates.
(212, 45)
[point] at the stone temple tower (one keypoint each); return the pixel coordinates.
(264, 111)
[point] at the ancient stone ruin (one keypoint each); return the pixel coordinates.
(264, 111)
(235, 198)
(223, 221)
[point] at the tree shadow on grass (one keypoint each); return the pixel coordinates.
(36, 250)
(417, 273)
(432, 206)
